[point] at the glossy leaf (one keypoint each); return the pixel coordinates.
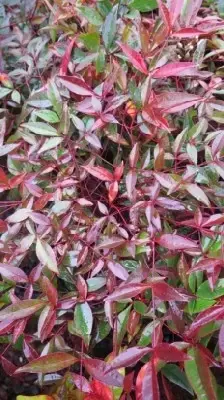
(128, 357)
(83, 320)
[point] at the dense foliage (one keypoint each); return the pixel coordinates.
(112, 198)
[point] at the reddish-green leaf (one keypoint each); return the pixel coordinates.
(21, 309)
(99, 173)
(50, 363)
(134, 57)
(176, 242)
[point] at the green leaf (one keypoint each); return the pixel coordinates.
(174, 374)
(196, 377)
(40, 128)
(102, 330)
(95, 283)
(130, 265)
(4, 92)
(220, 392)
(221, 8)
(208, 329)
(104, 7)
(50, 144)
(204, 291)
(47, 115)
(140, 307)
(109, 27)
(83, 321)
(90, 40)
(100, 62)
(144, 5)
(122, 321)
(192, 153)
(196, 306)
(195, 279)
(15, 96)
(54, 96)
(92, 15)
(218, 116)
(146, 336)
(4, 286)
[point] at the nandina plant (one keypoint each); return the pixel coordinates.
(112, 199)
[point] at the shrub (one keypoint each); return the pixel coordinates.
(112, 192)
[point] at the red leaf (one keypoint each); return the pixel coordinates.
(172, 102)
(6, 326)
(135, 58)
(128, 357)
(80, 382)
(166, 292)
(42, 201)
(111, 243)
(118, 270)
(3, 178)
(215, 313)
(46, 322)
(101, 391)
(170, 204)
(66, 57)
(167, 389)
(191, 12)
(49, 290)
(8, 366)
(186, 33)
(98, 369)
(169, 353)
(13, 273)
(3, 226)
(39, 218)
(174, 69)
(113, 191)
(118, 171)
(100, 173)
(221, 343)
(19, 329)
(175, 9)
(134, 156)
(206, 264)
(16, 180)
(29, 352)
(76, 85)
(217, 219)
(165, 15)
(147, 384)
(133, 321)
(126, 291)
(131, 179)
(176, 242)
